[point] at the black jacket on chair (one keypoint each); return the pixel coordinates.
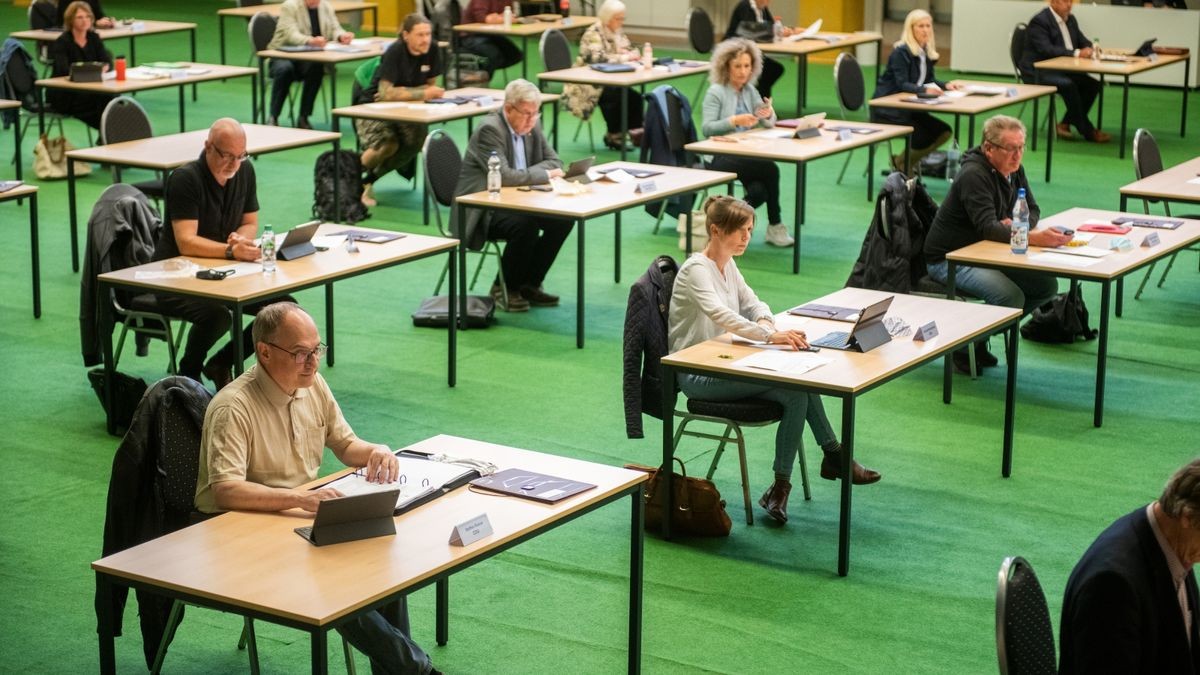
(1044, 41)
(892, 256)
(646, 342)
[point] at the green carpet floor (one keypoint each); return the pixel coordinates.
(927, 540)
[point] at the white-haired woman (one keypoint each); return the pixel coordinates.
(606, 42)
(910, 69)
(733, 104)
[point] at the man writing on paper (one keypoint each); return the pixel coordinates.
(265, 434)
(979, 206)
(1054, 32)
(526, 158)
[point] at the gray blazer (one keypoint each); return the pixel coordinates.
(720, 103)
(493, 135)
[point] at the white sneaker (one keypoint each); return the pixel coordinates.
(777, 235)
(368, 196)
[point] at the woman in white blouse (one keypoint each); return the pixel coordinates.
(710, 298)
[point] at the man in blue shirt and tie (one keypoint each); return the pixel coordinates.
(526, 158)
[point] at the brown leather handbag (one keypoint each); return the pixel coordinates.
(698, 507)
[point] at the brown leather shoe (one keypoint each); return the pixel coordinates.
(1099, 137)
(539, 297)
(1063, 130)
(219, 373)
(831, 469)
(514, 303)
(774, 500)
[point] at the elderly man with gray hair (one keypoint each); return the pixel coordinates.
(1130, 604)
(526, 158)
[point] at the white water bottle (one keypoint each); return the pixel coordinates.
(1095, 50)
(268, 249)
(507, 18)
(1020, 224)
(647, 56)
(953, 160)
(777, 30)
(493, 176)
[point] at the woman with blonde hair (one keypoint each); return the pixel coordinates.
(910, 69)
(733, 104)
(710, 298)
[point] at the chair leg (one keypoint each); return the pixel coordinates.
(741, 443)
(441, 278)
(803, 471)
(349, 656)
(712, 467)
(173, 619)
(844, 165)
(120, 345)
(1142, 286)
(1170, 262)
(971, 361)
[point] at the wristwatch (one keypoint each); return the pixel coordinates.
(229, 252)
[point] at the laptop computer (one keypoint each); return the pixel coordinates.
(298, 241)
(577, 172)
(352, 518)
(867, 334)
(87, 71)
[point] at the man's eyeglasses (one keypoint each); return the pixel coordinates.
(229, 156)
(535, 113)
(301, 356)
(1011, 150)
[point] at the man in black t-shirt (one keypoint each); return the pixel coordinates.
(408, 71)
(212, 213)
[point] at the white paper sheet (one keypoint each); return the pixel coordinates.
(1064, 259)
(793, 363)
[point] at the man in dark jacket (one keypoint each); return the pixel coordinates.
(756, 11)
(979, 206)
(1054, 32)
(1130, 604)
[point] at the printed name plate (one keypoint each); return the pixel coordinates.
(926, 332)
(471, 531)
(646, 186)
(1151, 240)
(845, 134)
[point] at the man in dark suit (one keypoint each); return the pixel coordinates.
(526, 158)
(757, 11)
(1130, 604)
(1054, 32)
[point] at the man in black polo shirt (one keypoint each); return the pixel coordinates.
(408, 71)
(213, 213)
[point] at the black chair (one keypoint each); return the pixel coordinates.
(700, 33)
(43, 15)
(442, 166)
(19, 79)
(124, 119)
(1024, 635)
(1016, 53)
(1147, 161)
(556, 55)
(852, 94)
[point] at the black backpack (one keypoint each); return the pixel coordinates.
(350, 188)
(1063, 319)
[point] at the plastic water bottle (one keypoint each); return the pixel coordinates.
(268, 249)
(647, 56)
(493, 180)
(507, 18)
(778, 30)
(1020, 224)
(953, 159)
(1095, 50)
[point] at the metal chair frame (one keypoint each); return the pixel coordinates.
(1011, 566)
(1144, 142)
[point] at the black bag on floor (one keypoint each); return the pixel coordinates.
(1063, 319)
(126, 394)
(435, 313)
(933, 165)
(350, 187)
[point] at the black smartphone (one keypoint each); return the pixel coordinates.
(1063, 230)
(213, 275)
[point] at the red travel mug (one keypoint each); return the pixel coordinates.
(120, 63)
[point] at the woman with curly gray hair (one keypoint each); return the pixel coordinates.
(733, 104)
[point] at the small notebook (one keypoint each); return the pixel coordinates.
(831, 312)
(531, 485)
(369, 237)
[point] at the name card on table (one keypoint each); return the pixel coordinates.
(484, 101)
(1011, 92)
(471, 531)
(1151, 240)
(926, 332)
(845, 134)
(646, 186)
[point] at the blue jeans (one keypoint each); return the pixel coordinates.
(384, 636)
(1019, 289)
(797, 406)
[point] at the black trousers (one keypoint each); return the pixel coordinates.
(499, 52)
(771, 72)
(284, 73)
(1079, 93)
(610, 107)
(760, 178)
(209, 321)
(532, 245)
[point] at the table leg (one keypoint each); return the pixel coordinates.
(333, 93)
(636, 546)
(525, 58)
(33, 246)
(41, 99)
(799, 88)
(261, 90)
(555, 108)
(971, 131)
(1050, 126)
(624, 119)
(687, 234)
(617, 248)
(1187, 73)
(579, 241)
(1010, 399)
(847, 484)
(796, 228)
(1120, 295)
(907, 145)
(221, 30)
(104, 608)
(1124, 115)
(948, 360)
(442, 611)
(182, 126)
(17, 159)
(235, 334)
(320, 652)
(1100, 107)
(452, 327)
(1124, 203)
(329, 323)
(667, 374)
(254, 100)
(132, 50)
(1049, 137)
(462, 267)
(106, 349)
(337, 179)
(73, 220)
(1102, 352)
(871, 170)
(957, 117)
(802, 64)
(375, 21)
(192, 36)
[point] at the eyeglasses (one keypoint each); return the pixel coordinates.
(533, 114)
(229, 156)
(1013, 150)
(301, 356)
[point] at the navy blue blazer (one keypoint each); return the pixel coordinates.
(1120, 613)
(1044, 41)
(903, 69)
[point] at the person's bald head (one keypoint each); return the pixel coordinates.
(225, 149)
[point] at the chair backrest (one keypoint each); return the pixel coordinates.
(177, 432)
(1146, 159)
(1024, 635)
(700, 30)
(555, 50)
(443, 163)
(848, 81)
(19, 72)
(1016, 48)
(261, 29)
(124, 119)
